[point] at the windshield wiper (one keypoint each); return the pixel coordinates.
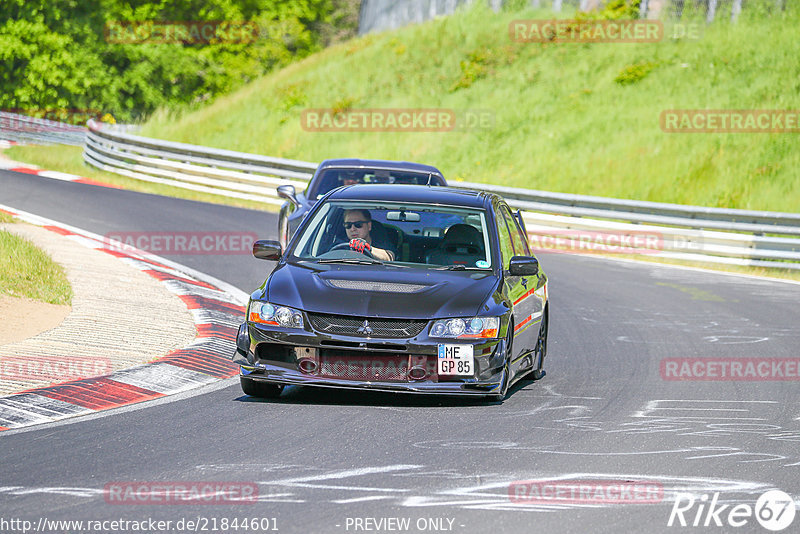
(460, 268)
(353, 261)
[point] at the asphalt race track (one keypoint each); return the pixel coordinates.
(324, 459)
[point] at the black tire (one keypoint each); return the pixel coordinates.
(541, 348)
(501, 395)
(262, 390)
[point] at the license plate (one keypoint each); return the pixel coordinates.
(455, 360)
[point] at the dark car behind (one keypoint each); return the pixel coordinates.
(333, 173)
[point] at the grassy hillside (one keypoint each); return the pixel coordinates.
(562, 119)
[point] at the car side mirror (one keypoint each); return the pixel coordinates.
(267, 250)
(288, 192)
(523, 266)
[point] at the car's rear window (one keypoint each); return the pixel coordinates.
(330, 179)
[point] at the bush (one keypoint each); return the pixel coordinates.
(635, 73)
(56, 56)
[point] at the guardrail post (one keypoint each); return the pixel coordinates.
(643, 7)
(736, 8)
(712, 11)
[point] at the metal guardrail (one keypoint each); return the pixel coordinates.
(221, 172)
(380, 15)
(25, 129)
(580, 222)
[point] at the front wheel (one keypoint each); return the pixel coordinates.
(503, 391)
(262, 390)
(500, 396)
(541, 348)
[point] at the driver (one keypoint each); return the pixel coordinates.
(358, 225)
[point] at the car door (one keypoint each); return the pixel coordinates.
(521, 289)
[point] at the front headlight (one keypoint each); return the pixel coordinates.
(266, 313)
(470, 328)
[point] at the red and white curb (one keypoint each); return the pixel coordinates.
(55, 175)
(217, 308)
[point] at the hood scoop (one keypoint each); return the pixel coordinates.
(381, 287)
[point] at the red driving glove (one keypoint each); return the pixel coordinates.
(360, 245)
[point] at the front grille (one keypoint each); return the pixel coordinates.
(346, 325)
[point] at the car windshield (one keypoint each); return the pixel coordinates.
(417, 235)
(332, 178)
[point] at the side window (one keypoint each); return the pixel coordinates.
(517, 237)
(506, 246)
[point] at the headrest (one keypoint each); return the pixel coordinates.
(463, 234)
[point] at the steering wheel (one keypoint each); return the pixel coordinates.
(343, 246)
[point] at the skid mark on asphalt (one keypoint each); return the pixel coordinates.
(724, 328)
(732, 340)
(700, 428)
(312, 481)
(747, 288)
(695, 293)
(495, 495)
(719, 418)
(467, 491)
(252, 467)
(684, 453)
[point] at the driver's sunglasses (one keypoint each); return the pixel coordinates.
(357, 224)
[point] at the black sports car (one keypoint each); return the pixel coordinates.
(333, 173)
(458, 305)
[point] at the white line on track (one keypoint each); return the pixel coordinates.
(348, 473)
(362, 499)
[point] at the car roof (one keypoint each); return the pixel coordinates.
(413, 193)
(378, 164)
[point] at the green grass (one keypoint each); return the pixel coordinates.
(5, 217)
(69, 159)
(26, 271)
(576, 118)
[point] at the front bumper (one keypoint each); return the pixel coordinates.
(275, 356)
(277, 375)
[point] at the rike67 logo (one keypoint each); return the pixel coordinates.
(774, 510)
